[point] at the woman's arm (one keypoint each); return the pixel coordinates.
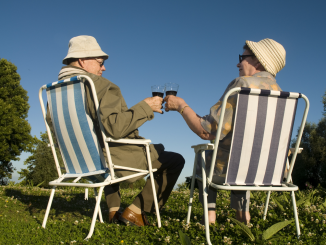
(174, 103)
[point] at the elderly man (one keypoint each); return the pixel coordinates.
(258, 66)
(86, 57)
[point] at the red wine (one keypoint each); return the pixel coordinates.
(158, 94)
(171, 92)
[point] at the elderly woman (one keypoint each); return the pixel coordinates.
(258, 66)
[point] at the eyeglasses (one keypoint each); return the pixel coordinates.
(242, 57)
(100, 61)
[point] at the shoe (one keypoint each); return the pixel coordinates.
(114, 216)
(131, 218)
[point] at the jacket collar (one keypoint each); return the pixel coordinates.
(70, 71)
(264, 74)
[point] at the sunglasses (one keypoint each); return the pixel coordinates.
(242, 57)
(100, 61)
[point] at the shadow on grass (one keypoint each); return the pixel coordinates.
(65, 206)
(68, 206)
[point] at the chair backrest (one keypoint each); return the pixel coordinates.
(261, 137)
(73, 127)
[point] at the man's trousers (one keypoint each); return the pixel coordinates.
(169, 166)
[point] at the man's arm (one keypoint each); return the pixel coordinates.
(117, 119)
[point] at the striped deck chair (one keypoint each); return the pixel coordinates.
(79, 146)
(261, 136)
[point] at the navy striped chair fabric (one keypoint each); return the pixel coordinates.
(262, 128)
(261, 137)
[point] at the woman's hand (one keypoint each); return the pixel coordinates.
(174, 103)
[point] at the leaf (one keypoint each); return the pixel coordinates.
(275, 228)
(311, 198)
(252, 195)
(284, 197)
(184, 239)
(278, 238)
(324, 203)
(278, 204)
(40, 184)
(307, 202)
(263, 197)
(302, 200)
(244, 228)
(99, 233)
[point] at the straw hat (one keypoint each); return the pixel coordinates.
(270, 54)
(84, 47)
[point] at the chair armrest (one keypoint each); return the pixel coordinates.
(287, 166)
(199, 147)
(130, 141)
(299, 150)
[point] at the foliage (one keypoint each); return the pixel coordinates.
(14, 128)
(267, 234)
(183, 186)
(244, 228)
(310, 165)
(324, 102)
(187, 184)
(279, 205)
(275, 228)
(22, 210)
(6, 170)
(184, 239)
(41, 166)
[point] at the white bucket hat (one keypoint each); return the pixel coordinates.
(270, 54)
(84, 47)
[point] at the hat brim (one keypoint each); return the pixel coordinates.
(92, 54)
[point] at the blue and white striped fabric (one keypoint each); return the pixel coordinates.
(74, 129)
(262, 132)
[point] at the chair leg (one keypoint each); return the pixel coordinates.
(96, 211)
(266, 204)
(99, 211)
(205, 194)
(157, 210)
(86, 194)
(151, 176)
(192, 187)
(48, 207)
(295, 214)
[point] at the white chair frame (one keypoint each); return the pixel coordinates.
(207, 181)
(111, 167)
(269, 192)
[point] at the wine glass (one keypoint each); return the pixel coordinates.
(158, 90)
(171, 89)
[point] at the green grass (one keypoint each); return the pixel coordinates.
(22, 210)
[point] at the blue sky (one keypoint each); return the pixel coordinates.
(193, 43)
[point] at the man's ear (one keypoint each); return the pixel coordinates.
(81, 63)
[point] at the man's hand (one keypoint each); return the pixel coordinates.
(174, 103)
(155, 103)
